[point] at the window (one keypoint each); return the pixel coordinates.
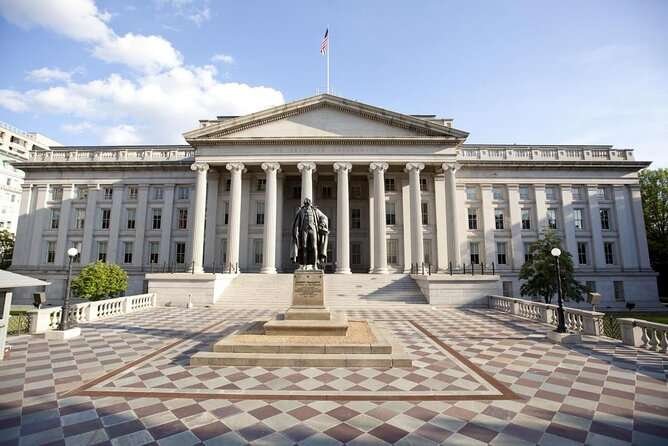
(552, 218)
(131, 218)
(228, 185)
(105, 218)
(426, 250)
(423, 185)
(527, 252)
(183, 218)
(77, 258)
(356, 253)
(551, 193)
(156, 214)
(356, 191)
(471, 193)
(525, 193)
(498, 218)
(474, 249)
(578, 218)
(158, 193)
(507, 288)
(501, 253)
(389, 184)
(127, 252)
(473, 218)
(55, 218)
(578, 193)
(609, 252)
(392, 251)
(591, 285)
(50, 252)
(82, 192)
(56, 194)
(604, 193)
(153, 252)
(497, 193)
(226, 219)
(132, 193)
(605, 218)
(108, 193)
(425, 213)
(257, 251)
(326, 192)
(180, 253)
(223, 249)
(261, 184)
(582, 253)
(526, 219)
(619, 290)
(297, 192)
(356, 218)
(183, 193)
(259, 213)
(390, 214)
(102, 251)
(79, 218)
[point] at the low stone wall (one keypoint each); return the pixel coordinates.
(645, 334)
(458, 290)
(174, 289)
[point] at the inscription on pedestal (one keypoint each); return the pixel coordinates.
(308, 289)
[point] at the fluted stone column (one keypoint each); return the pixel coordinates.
(417, 248)
(200, 214)
(269, 244)
(454, 216)
(640, 231)
(342, 218)
(234, 220)
(307, 169)
(380, 243)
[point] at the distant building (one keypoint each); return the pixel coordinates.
(15, 145)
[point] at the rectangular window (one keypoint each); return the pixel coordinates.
(426, 250)
(591, 285)
(131, 218)
(389, 184)
(156, 217)
(497, 193)
(77, 258)
(228, 185)
(551, 193)
(498, 218)
(425, 213)
(257, 251)
(127, 252)
(525, 194)
(102, 251)
(609, 251)
(526, 219)
(79, 218)
(50, 252)
(355, 218)
(226, 219)
(423, 185)
(259, 213)
(223, 249)
(183, 218)
(132, 192)
(578, 193)
(474, 249)
(473, 218)
(507, 288)
(578, 218)
(501, 253)
(297, 192)
(552, 218)
(356, 253)
(326, 192)
(356, 191)
(82, 192)
(582, 253)
(471, 193)
(158, 193)
(183, 193)
(390, 214)
(55, 218)
(619, 290)
(527, 252)
(108, 193)
(56, 194)
(605, 218)
(154, 252)
(180, 253)
(392, 251)
(261, 184)
(105, 218)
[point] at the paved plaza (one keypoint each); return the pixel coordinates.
(479, 377)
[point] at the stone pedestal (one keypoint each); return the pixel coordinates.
(564, 338)
(63, 335)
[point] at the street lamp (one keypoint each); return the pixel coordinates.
(65, 322)
(561, 318)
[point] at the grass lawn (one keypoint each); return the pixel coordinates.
(660, 317)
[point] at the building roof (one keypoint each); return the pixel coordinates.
(9, 280)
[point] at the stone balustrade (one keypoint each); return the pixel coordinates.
(532, 153)
(644, 334)
(114, 155)
(45, 319)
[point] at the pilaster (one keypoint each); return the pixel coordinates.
(211, 219)
(89, 224)
(64, 224)
(488, 223)
(639, 225)
(40, 218)
(624, 227)
(515, 219)
(115, 223)
(441, 205)
(569, 219)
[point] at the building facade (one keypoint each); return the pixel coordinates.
(399, 191)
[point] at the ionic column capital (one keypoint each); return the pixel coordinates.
(306, 165)
(235, 167)
(417, 167)
(379, 167)
(199, 166)
(452, 167)
(271, 167)
(343, 167)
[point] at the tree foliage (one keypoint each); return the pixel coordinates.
(6, 248)
(540, 276)
(100, 280)
(654, 191)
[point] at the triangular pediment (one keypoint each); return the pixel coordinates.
(323, 116)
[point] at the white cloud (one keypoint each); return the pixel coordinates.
(196, 11)
(200, 16)
(46, 74)
(224, 58)
(144, 53)
(77, 128)
(123, 134)
(12, 101)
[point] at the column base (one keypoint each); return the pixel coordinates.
(268, 270)
(343, 271)
(380, 271)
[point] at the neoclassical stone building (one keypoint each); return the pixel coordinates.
(226, 200)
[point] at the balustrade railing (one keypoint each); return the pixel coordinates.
(113, 155)
(644, 334)
(545, 153)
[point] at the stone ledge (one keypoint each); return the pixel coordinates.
(214, 359)
(336, 326)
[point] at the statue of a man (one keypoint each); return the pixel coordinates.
(309, 236)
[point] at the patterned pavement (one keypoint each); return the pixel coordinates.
(479, 377)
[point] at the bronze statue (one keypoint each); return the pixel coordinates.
(310, 232)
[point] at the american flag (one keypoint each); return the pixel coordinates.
(324, 46)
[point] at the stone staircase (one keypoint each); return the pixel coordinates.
(343, 291)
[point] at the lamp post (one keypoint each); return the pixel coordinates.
(65, 322)
(561, 318)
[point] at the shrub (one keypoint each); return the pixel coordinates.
(100, 280)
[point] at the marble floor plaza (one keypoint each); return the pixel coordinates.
(478, 377)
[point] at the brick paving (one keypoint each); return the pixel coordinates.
(479, 377)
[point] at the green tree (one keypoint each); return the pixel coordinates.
(654, 191)
(100, 280)
(6, 248)
(540, 276)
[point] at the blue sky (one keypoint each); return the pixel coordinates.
(121, 72)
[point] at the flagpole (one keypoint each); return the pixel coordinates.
(329, 48)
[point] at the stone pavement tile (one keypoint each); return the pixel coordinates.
(477, 432)
(185, 438)
(343, 432)
(87, 438)
(275, 439)
(228, 439)
(388, 433)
